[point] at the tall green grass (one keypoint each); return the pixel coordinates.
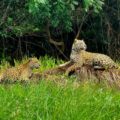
(47, 101)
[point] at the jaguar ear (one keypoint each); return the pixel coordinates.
(83, 40)
(75, 40)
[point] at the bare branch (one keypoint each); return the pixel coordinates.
(80, 27)
(50, 39)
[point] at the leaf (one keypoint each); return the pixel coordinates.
(72, 6)
(40, 1)
(75, 2)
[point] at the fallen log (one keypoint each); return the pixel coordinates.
(87, 72)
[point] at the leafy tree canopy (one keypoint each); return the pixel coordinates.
(19, 17)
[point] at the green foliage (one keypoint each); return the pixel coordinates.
(49, 62)
(13, 14)
(57, 13)
(46, 101)
(21, 17)
(96, 4)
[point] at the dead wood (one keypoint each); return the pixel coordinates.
(87, 72)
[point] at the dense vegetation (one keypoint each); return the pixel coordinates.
(40, 27)
(45, 26)
(46, 101)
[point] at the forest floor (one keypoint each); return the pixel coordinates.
(48, 101)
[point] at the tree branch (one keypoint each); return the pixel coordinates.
(50, 39)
